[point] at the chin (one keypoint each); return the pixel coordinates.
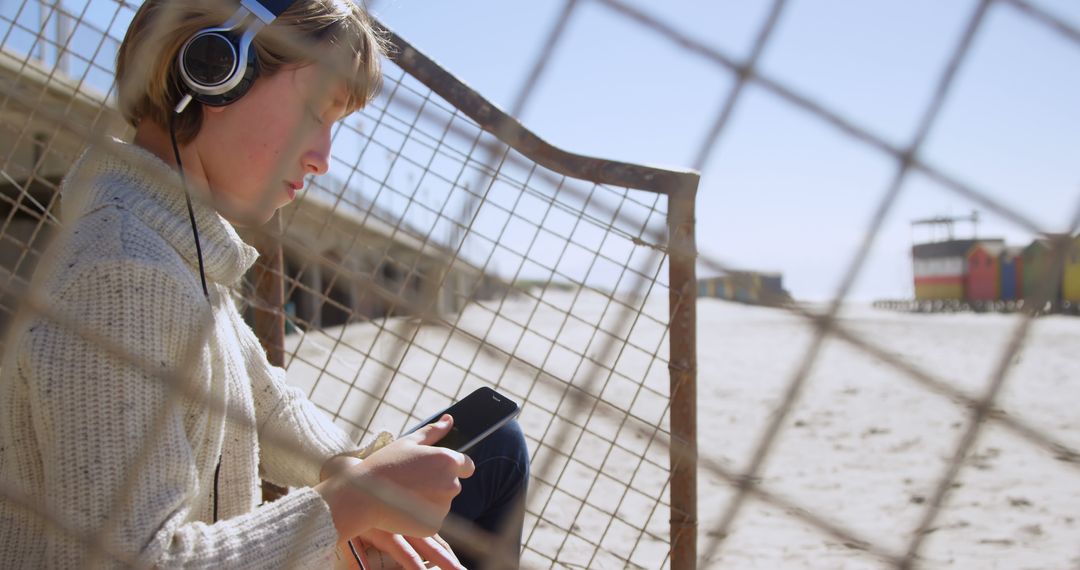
(251, 219)
(242, 214)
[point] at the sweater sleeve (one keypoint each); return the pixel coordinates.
(295, 437)
(119, 469)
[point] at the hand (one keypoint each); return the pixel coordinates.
(429, 474)
(407, 551)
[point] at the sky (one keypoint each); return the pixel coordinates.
(781, 190)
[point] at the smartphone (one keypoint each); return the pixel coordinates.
(476, 416)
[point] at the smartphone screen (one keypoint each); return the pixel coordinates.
(476, 416)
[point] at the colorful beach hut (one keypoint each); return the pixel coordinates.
(746, 287)
(1011, 272)
(939, 269)
(1038, 272)
(983, 276)
(1070, 279)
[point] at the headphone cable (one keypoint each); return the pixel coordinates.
(191, 210)
(202, 270)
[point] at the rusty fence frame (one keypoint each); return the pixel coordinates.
(680, 188)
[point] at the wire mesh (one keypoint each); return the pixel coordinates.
(547, 276)
(461, 252)
(417, 271)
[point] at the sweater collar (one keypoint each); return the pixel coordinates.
(130, 177)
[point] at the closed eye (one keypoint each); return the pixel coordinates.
(315, 116)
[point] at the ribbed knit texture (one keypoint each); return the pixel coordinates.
(76, 418)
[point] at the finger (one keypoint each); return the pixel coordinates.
(359, 549)
(433, 432)
(438, 538)
(403, 553)
(433, 551)
(466, 467)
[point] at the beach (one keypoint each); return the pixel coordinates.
(863, 447)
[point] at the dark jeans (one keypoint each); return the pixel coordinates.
(493, 498)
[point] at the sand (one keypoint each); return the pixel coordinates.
(863, 448)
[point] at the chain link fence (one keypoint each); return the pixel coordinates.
(450, 248)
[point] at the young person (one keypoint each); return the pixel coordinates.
(136, 406)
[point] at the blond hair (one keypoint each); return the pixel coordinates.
(334, 32)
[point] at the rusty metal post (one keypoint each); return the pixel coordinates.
(269, 277)
(682, 365)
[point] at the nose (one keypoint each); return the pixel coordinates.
(317, 158)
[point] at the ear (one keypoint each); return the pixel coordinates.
(212, 109)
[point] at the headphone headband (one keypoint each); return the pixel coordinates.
(267, 10)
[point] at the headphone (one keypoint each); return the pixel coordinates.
(217, 64)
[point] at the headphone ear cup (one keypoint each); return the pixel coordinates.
(249, 70)
(210, 60)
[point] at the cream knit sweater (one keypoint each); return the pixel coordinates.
(75, 418)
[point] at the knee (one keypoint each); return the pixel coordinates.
(509, 441)
(513, 440)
